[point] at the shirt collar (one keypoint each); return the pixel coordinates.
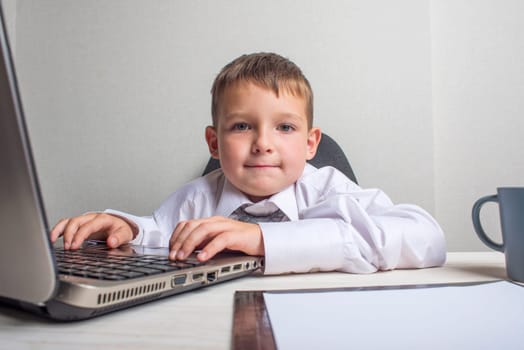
(231, 198)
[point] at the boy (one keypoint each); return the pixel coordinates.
(263, 134)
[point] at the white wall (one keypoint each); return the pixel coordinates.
(478, 109)
(117, 93)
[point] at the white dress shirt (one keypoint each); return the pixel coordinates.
(334, 224)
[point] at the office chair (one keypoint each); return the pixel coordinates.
(328, 153)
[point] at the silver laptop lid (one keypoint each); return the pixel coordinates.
(27, 270)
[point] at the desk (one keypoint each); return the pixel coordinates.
(203, 319)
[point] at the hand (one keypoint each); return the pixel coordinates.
(213, 235)
(114, 229)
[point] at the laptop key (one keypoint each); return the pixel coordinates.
(147, 271)
(132, 274)
(163, 267)
(95, 275)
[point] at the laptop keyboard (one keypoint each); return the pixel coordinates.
(100, 265)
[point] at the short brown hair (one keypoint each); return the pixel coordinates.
(267, 70)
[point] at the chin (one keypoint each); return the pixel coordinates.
(258, 196)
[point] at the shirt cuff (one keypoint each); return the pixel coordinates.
(302, 246)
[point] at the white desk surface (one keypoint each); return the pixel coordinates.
(203, 319)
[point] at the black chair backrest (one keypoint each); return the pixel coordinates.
(329, 153)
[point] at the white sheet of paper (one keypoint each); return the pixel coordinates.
(484, 316)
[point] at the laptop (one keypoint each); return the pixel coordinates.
(73, 285)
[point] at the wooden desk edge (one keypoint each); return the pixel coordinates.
(251, 325)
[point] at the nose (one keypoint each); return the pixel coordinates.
(262, 142)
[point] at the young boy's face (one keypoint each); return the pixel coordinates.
(262, 140)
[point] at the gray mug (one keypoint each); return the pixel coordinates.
(511, 208)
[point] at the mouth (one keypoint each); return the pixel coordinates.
(260, 166)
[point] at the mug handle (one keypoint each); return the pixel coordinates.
(475, 214)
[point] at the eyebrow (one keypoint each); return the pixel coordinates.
(282, 115)
(294, 116)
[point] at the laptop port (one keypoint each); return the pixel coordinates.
(178, 280)
(212, 276)
(198, 276)
(237, 267)
(225, 269)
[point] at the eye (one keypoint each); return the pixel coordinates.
(286, 128)
(240, 127)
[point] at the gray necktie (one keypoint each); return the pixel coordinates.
(241, 215)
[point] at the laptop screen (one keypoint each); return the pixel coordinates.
(26, 263)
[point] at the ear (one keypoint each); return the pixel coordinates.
(313, 139)
(212, 141)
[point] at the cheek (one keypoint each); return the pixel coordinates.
(229, 139)
(296, 148)
(295, 155)
(231, 152)
(230, 147)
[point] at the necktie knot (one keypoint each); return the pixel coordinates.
(241, 214)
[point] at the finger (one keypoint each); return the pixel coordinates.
(202, 244)
(205, 231)
(183, 231)
(100, 227)
(239, 236)
(58, 229)
(175, 241)
(71, 229)
(216, 245)
(176, 233)
(121, 235)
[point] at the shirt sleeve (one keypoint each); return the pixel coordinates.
(193, 200)
(149, 231)
(355, 231)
